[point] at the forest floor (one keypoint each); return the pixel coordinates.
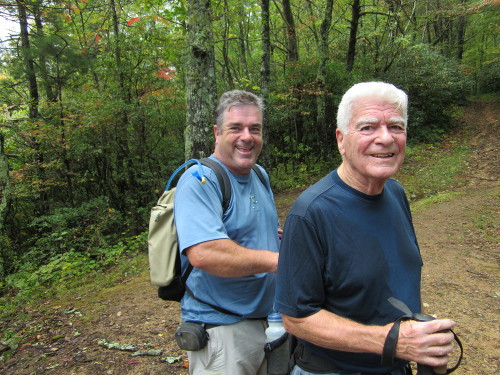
(88, 333)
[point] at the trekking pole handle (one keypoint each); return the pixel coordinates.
(425, 369)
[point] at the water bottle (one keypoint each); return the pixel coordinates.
(275, 329)
(277, 346)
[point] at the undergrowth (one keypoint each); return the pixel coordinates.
(430, 169)
(66, 274)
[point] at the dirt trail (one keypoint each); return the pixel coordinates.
(459, 242)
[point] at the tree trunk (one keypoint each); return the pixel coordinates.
(5, 187)
(322, 97)
(265, 74)
(353, 34)
(200, 80)
(50, 92)
(225, 48)
(29, 64)
(244, 49)
(126, 190)
(461, 25)
(293, 49)
(41, 206)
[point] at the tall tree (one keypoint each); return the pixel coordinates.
(461, 25)
(265, 70)
(125, 171)
(29, 63)
(291, 33)
(353, 33)
(200, 79)
(5, 188)
(33, 104)
(226, 71)
(322, 97)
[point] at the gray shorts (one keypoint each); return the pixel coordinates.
(235, 349)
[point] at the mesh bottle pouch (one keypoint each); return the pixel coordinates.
(278, 353)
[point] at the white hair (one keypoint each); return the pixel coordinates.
(363, 90)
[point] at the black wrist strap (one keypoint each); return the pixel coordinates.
(391, 341)
(450, 370)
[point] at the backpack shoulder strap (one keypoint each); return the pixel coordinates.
(260, 175)
(222, 177)
(225, 186)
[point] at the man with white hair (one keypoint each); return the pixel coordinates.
(349, 246)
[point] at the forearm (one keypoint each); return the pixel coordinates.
(331, 331)
(225, 258)
(421, 342)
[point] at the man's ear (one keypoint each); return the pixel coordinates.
(340, 139)
(216, 132)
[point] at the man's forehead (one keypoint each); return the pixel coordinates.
(375, 103)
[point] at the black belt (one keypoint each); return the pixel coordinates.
(314, 363)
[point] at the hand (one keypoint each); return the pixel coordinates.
(427, 343)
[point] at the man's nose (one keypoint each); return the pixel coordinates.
(384, 135)
(245, 133)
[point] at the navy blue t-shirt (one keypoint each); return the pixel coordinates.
(348, 252)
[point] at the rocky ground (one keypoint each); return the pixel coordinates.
(120, 330)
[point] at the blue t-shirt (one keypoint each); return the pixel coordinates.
(251, 220)
(348, 252)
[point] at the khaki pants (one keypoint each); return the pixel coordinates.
(235, 349)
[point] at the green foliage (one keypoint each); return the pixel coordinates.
(487, 223)
(433, 83)
(435, 199)
(481, 53)
(60, 268)
(93, 224)
(8, 258)
(292, 176)
(111, 108)
(488, 78)
(67, 273)
(64, 269)
(432, 168)
(292, 122)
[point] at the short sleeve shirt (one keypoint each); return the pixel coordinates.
(348, 252)
(251, 220)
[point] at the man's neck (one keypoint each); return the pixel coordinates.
(365, 187)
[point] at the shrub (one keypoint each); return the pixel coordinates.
(65, 268)
(488, 78)
(94, 224)
(433, 83)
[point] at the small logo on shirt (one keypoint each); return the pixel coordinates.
(253, 201)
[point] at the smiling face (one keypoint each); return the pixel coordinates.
(238, 141)
(373, 149)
